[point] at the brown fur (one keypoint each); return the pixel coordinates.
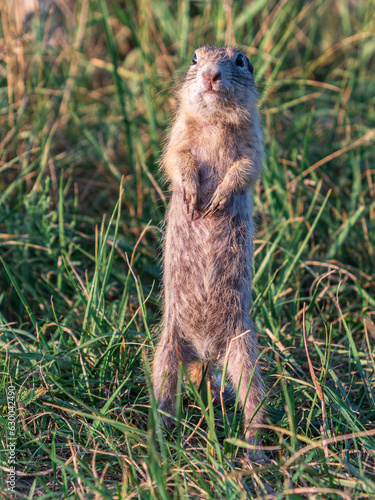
(213, 156)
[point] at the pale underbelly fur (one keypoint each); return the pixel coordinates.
(208, 272)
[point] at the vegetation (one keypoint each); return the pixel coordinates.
(86, 96)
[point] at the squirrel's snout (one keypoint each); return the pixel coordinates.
(210, 75)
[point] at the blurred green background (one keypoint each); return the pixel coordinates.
(86, 97)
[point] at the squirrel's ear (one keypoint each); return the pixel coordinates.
(249, 65)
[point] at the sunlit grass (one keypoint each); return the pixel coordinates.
(83, 114)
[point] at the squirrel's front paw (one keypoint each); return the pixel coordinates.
(190, 195)
(219, 201)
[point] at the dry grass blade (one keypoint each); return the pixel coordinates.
(324, 442)
(316, 385)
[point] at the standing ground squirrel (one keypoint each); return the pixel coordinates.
(212, 157)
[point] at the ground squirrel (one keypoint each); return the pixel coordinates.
(212, 157)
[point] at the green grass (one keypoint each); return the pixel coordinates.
(80, 252)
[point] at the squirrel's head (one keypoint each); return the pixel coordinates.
(219, 85)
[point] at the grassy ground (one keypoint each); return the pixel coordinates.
(84, 107)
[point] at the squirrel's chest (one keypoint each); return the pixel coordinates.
(214, 155)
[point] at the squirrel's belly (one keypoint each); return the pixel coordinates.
(208, 270)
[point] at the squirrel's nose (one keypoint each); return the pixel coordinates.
(211, 74)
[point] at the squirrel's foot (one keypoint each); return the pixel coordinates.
(165, 420)
(255, 453)
(257, 456)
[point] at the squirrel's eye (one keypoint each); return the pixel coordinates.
(194, 60)
(240, 60)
